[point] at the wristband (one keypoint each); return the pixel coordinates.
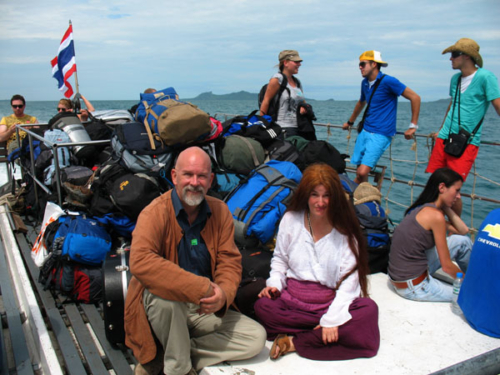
(413, 126)
(350, 123)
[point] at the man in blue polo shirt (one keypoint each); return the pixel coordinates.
(380, 120)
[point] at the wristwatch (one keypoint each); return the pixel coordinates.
(350, 123)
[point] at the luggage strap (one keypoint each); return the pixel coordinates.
(250, 147)
(151, 136)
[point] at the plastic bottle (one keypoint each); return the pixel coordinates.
(457, 283)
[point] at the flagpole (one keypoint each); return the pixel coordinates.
(76, 71)
(76, 98)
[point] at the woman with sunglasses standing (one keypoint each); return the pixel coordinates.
(65, 105)
(282, 99)
(8, 123)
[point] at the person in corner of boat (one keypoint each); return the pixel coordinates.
(8, 123)
(379, 124)
(186, 270)
(290, 98)
(477, 87)
(420, 245)
(316, 299)
(66, 105)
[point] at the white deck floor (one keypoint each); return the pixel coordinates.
(416, 338)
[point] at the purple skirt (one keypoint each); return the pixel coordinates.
(299, 309)
(307, 295)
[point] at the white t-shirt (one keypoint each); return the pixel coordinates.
(466, 82)
(287, 113)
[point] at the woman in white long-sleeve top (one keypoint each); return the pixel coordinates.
(312, 302)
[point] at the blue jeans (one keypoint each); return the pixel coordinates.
(431, 289)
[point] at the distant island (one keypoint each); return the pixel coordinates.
(240, 95)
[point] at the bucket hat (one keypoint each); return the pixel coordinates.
(366, 192)
(289, 54)
(373, 56)
(468, 47)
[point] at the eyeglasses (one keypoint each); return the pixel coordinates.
(59, 109)
(17, 106)
(456, 54)
(362, 64)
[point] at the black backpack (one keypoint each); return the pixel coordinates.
(322, 151)
(275, 102)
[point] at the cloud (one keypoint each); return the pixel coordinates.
(227, 45)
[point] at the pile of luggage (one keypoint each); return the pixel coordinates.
(83, 242)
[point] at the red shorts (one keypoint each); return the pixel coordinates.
(440, 159)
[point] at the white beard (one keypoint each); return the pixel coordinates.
(193, 200)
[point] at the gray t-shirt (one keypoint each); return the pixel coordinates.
(287, 113)
(410, 241)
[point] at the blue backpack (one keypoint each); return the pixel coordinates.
(374, 223)
(153, 98)
(85, 240)
(260, 201)
(24, 150)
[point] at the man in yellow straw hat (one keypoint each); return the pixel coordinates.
(381, 92)
(471, 91)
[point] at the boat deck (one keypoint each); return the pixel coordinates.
(52, 337)
(416, 338)
(43, 334)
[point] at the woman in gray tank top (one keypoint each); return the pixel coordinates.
(420, 245)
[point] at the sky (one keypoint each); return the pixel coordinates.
(224, 46)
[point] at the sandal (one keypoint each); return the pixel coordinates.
(282, 341)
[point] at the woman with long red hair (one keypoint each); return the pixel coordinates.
(316, 299)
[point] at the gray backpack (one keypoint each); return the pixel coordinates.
(63, 154)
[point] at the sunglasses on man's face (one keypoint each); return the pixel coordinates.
(59, 109)
(456, 54)
(17, 106)
(362, 64)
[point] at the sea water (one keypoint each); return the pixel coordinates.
(336, 113)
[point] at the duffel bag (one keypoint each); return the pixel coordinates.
(241, 154)
(132, 193)
(261, 128)
(283, 151)
(322, 151)
(85, 239)
(136, 151)
(76, 175)
(177, 123)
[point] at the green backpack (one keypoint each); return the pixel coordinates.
(241, 155)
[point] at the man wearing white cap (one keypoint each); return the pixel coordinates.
(471, 91)
(381, 92)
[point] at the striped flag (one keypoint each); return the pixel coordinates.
(64, 64)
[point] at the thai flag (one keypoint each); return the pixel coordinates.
(64, 64)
